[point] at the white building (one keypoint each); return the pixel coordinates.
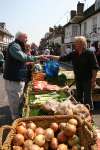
(72, 28)
(86, 23)
(90, 25)
(57, 36)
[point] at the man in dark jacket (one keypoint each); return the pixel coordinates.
(15, 72)
(85, 68)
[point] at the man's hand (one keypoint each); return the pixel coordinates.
(53, 57)
(43, 57)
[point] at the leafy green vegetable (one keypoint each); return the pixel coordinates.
(34, 112)
(62, 79)
(59, 80)
(37, 112)
(43, 98)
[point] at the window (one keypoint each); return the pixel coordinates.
(74, 30)
(94, 25)
(85, 28)
(97, 4)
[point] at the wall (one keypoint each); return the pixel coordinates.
(70, 32)
(58, 40)
(89, 33)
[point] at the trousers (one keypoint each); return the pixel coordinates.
(14, 91)
(84, 92)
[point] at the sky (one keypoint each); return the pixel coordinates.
(34, 17)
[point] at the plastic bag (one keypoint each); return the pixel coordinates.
(51, 68)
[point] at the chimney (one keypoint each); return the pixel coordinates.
(72, 14)
(80, 8)
(2, 25)
(50, 29)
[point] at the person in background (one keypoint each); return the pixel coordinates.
(29, 64)
(46, 51)
(28, 49)
(98, 54)
(68, 50)
(1, 61)
(85, 68)
(34, 48)
(92, 48)
(62, 50)
(15, 72)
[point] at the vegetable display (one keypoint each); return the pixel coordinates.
(43, 86)
(58, 136)
(58, 102)
(43, 98)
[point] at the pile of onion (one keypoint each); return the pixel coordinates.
(58, 136)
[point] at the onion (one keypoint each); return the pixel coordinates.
(35, 147)
(70, 130)
(42, 148)
(40, 140)
(28, 144)
(73, 141)
(17, 148)
(46, 146)
(62, 125)
(62, 147)
(76, 147)
(49, 134)
(54, 126)
(73, 122)
(54, 143)
(18, 140)
(30, 134)
(61, 137)
(21, 129)
(31, 125)
(39, 131)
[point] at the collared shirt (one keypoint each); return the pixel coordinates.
(82, 64)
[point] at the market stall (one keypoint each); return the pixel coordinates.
(51, 119)
(51, 133)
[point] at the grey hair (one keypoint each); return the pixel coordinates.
(82, 39)
(18, 34)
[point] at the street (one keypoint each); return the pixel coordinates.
(5, 117)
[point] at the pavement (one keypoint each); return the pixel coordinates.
(5, 117)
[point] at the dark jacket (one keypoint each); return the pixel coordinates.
(83, 64)
(15, 70)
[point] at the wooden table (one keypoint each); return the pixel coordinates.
(70, 74)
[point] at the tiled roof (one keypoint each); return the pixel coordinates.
(87, 13)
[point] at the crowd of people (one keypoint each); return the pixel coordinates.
(20, 57)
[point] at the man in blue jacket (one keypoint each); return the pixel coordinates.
(15, 72)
